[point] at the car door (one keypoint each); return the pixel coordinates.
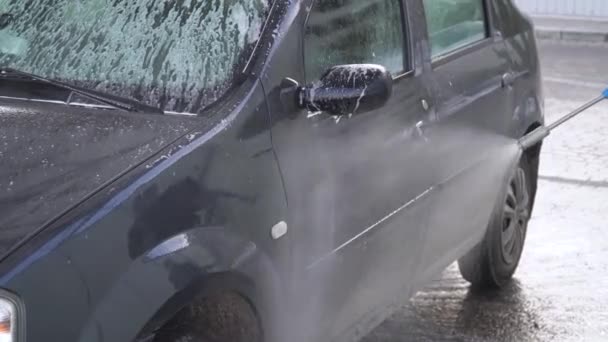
(470, 70)
(357, 185)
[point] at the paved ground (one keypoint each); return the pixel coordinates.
(571, 28)
(572, 24)
(561, 289)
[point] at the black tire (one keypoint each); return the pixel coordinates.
(222, 318)
(492, 263)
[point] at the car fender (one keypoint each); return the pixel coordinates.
(201, 207)
(194, 263)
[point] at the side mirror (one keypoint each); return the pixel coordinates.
(349, 89)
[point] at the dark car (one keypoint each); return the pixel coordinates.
(256, 170)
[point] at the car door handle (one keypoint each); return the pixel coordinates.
(507, 80)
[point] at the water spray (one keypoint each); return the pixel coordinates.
(542, 132)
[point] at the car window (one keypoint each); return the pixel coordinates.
(354, 32)
(453, 24)
(178, 55)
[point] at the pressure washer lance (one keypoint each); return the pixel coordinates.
(542, 132)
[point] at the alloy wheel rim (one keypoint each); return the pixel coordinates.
(516, 212)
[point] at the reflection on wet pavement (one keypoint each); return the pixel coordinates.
(450, 311)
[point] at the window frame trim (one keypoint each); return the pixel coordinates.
(246, 69)
(408, 46)
(465, 49)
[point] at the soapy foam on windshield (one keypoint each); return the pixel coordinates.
(121, 45)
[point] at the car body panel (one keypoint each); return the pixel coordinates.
(472, 140)
(479, 116)
(54, 156)
(192, 209)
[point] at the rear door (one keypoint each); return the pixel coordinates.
(357, 186)
(470, 69)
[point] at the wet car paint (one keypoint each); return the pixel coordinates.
(209, 188)
(560, 289)
(195, 216)
(362, 220)
(53, 156)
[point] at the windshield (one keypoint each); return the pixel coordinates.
(179, 55)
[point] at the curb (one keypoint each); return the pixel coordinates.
(573, 36)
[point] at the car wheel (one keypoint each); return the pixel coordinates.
(492, 263)
(222, 318)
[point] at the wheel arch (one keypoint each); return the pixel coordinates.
(157, 285)
(221, 262)
(530, 115)
(206, 285)
(534, 151)
(533, 156)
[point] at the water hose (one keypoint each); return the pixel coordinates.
(542, 132)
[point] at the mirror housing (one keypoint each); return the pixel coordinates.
(349, 89)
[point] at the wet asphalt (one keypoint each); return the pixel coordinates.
(560, 292)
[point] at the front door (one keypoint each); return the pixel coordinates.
(357, 186)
